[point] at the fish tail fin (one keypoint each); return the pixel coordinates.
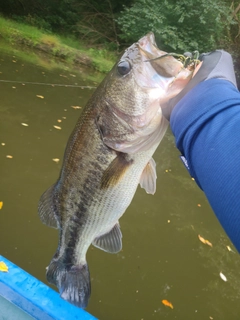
(73, 283)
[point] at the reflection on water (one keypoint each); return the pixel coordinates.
(162, 257)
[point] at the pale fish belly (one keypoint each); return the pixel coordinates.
(111, 204)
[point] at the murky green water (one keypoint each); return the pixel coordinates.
(162, 257)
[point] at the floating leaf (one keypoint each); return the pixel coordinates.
(167, 303)
(41, 97)
(57, 127)
(223, 277)
(64, 118)
(24, 124)
(3, 143)
(9, 156)
(76, 107)
(14, 87)
(204, 241)
(3, 267)
(199, 205)
(230, 249)
(1, 205)
(14, 61)
(56, 160)
(208, 243)
(72, 75)
(59, 120)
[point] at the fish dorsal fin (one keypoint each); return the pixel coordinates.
(116, 170)
(46, 210)
(110, 242)
(149, 177)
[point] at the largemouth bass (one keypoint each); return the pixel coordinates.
(108, 154)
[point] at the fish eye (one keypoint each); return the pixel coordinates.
(124, 67)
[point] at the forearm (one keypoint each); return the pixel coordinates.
(206, 125)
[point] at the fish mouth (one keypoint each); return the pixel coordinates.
(167, 66)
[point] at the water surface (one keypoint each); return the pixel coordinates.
(162, 257)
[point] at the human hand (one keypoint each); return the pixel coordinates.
(215, 64)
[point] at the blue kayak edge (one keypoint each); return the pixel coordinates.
(34, 297)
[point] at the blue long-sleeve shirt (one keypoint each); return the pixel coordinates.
(206, 125)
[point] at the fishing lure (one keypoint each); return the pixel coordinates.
(188, 59)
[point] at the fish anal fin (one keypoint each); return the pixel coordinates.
(110, 242)
(116, 170)
(46, 211)
(149, 177)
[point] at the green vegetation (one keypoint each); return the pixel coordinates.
(112, 25)
(59, 46)
(182, 25)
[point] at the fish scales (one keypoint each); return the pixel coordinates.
(107, 156)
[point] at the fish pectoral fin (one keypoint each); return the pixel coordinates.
(149, 177)
(116, 170)
(110, 242)
(46, 208)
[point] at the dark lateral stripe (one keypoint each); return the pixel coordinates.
(116, 170)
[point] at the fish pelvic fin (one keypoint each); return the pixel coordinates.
(110, 242)
(149, 177)
(73, 283)
(46, 209)
(116, 170)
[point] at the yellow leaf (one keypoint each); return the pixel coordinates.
(3, 267)
(229, 249)
(41, 97)
(1, 205)
(64, 118)
(57, 127)
(24, 124)
(56, 160)
(222, 276)
(59, 120)
(9, 156)
(167, 303)
(204, 241)
(3, 143)
(208, 243)
(199, 205)
(76, 107)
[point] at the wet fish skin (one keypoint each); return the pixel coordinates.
(108, 154)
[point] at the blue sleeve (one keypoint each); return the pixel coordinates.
(206, 126)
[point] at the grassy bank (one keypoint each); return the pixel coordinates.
(70, 50)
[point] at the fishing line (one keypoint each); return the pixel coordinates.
(49, 84)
